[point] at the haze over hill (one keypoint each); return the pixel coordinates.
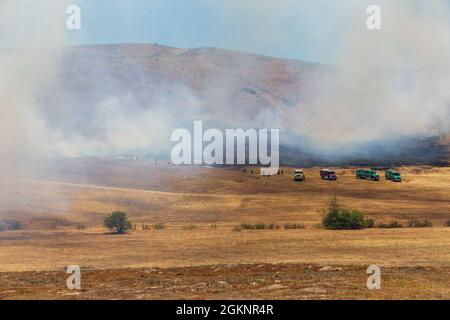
(126, 99)
(140, 88)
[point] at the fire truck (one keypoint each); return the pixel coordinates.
(327, 174)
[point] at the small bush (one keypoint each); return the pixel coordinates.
(390, 225)
(159, 226)
(237, 229)
(318, 226)
(53, 226)
(213, 226)
(247, 226)
(80, 226)
(117, 221)
(448, 223)
(342, 219)
(190, 226)
(2, 227)
(369, 223)
(259, 226)
(291, 226)
(420, 224)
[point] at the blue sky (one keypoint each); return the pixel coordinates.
(311, 30)
(299, 29)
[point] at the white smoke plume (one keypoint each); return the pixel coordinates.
(394, 82)
(390, 83)
(38, 30)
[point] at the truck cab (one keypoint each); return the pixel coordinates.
(393, 175)
(367, 174)
(327, 174)
(299, 175)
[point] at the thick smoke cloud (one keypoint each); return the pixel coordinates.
(39, 30)
(392, 83)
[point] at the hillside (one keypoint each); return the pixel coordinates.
(151, 90)
(225, 86)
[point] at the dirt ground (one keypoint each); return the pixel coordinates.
(232, 281)
(199, 254)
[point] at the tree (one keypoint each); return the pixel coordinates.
(117, 221)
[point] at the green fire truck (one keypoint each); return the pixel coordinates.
(393, 176)
(367, 174)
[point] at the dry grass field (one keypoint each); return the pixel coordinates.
(199, 254)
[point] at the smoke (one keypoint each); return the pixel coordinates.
(388, 84)
(391, 83)
(39, 30)
(121, 126)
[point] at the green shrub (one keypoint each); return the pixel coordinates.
(342, 219)
(369, 223)
(117, 221)
(80, 226)
(390, 225)
(247, 226)
(53, 226)
(420, 224)
(190, 226)
(237, 229)
(159, 226)
(291, 226)
(259, 226)
(2, 227)
(448, 223)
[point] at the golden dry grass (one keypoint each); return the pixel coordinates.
(225, 198)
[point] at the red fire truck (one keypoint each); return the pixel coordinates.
(328, 174)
